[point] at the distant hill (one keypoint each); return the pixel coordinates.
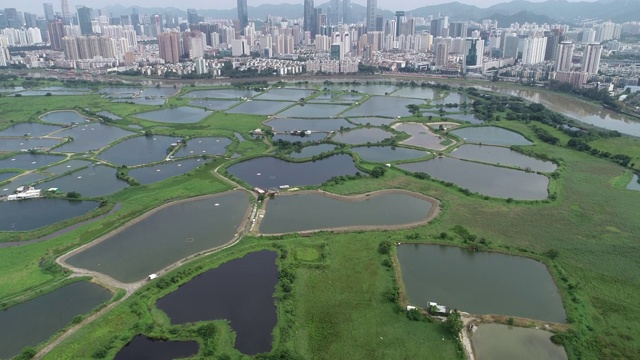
(521, 18)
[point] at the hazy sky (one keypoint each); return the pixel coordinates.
(36, 6)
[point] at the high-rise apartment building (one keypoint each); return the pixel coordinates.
(49, 14)
(70, 48)
(56, 33)
(458, 29)
(564, 54)
(372, 6)
(310, 17)
(84, 19)
(472, 53)
(591, 58)
(243, 14)
(533, 50)
(442, 53)
(168, 44)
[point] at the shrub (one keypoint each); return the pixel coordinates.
(384, 247)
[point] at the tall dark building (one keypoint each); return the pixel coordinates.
(30, 20)
(309, 17)
(49, 14)
(12, 18)
(43, 25)
(346, 11)
(135, 21)
(243, 15)
(192, 16)
(84, 20)
(56, 33)
(125, 20)
(372, 6)
(458, 29)
(379, 23)
(399, 16)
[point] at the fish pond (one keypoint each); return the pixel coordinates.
(421, 136)
(109, 115)
(317, 211)
(269, 172)
(144, 348)
(383, 106)
(32, 214)
(496, 341)
(470, 118)
(7, 175)
(313, 110)
(485, 179)
(142, 101)
(362, 136)
(385, 154)
(93, 181)
(259, 107)
(29, 129)
(220, 94)
(179, 115)
(373, 121)
(479, 282)
(65, 117)
(166, 235)
(159, 172)
(307, 138)
(285, 94)
(139, 150)
(204, 146)
(310, 151)
(417, 92)
(34, 321)
(24, 144)
(452, 98)
(324, 125)
(27, 179)
(29, 161)
(363, 88)
(93, 136)
(240, 291)
(491, 135)
(67, 166)
(162, 92)
(213, 104)
(634, 184)
(502, 156)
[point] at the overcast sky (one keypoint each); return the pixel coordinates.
(36, 6)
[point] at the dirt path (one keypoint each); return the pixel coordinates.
(465, 335)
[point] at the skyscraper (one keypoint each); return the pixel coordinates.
(372, 5)
(49, 14)
(84, 19)
(13, 20)
(309, 15)
(243, 14)
(591, 58)
(564, 54)
(168, 44)
(442, 53)
(533, 50)
(346, 11)
(30, 20)
(399, 16)
(56, 33)
(66, 14)
(192, 16)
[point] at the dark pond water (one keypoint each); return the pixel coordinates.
(471, 118)
(27, 179)
(7, 175)
(22, 144)
(421, 136)
(220, 94)
(139, 150)
(29, 129)
(93, 136)
(294, 138)
(485, 179)
(337, 98)
(384, 154)
(179, 115)
(257, 107)
(502, 156)
(324, 125)
(29, 161)
(362, 136)
(159, 92)
(144, 348)
(373, 121)
(142, 101)
(479, 282)
(93, 181)
(65, 117)
(36, 213)
(240, 291)
(491, 135)
(119, 92)
(67, 166)
(159, 172)
(204, 146)
(417, 92)
(213, 104)
(452, 98)
(496, 341)
(634, 185)
(285, 94)
(310, 151)
(34, 321)
(165, 236)
(362, 88)
(268, 172)
(383, 106)
(315, 211)
(313, 110)
(109, 115)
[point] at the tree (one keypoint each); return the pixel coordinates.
(73, 195)
(454, 323)
(378, 171)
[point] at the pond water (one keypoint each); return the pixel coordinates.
(479, 282)
(293, 138)
(93, 181)
(324, 125)
(220, 94)
(159, 92)
(93, 136)
(240, 291)
(362, 88)
(52, 92)
(316, 211)
(633, 184)
(119, 92)
(269, 172)
(109, 115)
(313, 110)
(166, 235)
(143, 348)
(471, 118)
(373, 121)
(491, 135)
(362, 136)
(67, 166)
(150, 174)
(27, 179)
(285, 94)
(502, 156)
(65, 117)
(23, 144)
(179, 115)
(142, 101)
(421, 136)
(213, 104)
(32, 214)
(310, 151)
(34, 321)
(204, 146)
(485, 179)
(496, 341)
(452, 98)
(139, 150)
(257, 107)
(29, 161)
(7, 175)
(385, 154)
(29, 129)
(383, 106)
(417, 92)
(336, 98)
